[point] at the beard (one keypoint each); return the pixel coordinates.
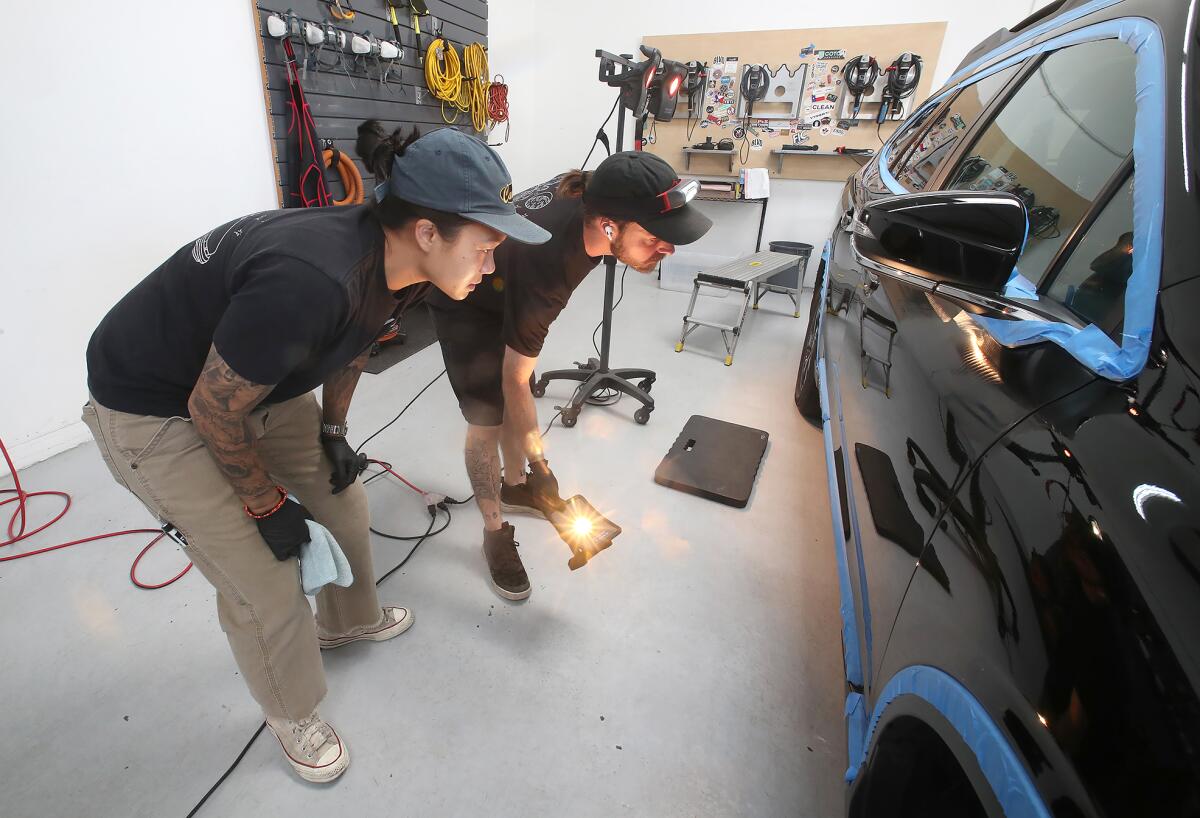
(643, 264)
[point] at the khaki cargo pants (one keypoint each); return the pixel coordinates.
(260, 604)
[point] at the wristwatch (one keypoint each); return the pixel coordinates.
(335, 429)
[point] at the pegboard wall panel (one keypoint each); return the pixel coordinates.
(341, 95)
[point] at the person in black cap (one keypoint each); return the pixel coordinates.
(634, 207)
(201, 401)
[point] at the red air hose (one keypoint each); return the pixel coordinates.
(19, 520)
(17, 525)
(497, 103)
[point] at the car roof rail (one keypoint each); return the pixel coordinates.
(1049, 10)
(1001, 36)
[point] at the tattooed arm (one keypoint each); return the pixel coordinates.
(339, 389)
(219, 406)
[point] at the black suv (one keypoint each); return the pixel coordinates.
(1004, 354)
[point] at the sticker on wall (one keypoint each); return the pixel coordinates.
(832, 54)
(739, 132)
(808, 50)
(756, 144)
(825, 131)
(704, 124)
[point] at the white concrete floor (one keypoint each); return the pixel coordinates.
(692, 669)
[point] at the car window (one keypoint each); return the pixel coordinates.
(1057, 143)
(1091, 281)
(925, 143)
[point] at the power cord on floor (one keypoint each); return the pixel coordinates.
(401, 412)
(18, 521)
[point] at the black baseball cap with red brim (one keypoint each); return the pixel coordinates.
(642, 188)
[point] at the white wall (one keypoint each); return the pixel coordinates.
(546, 48)
(117, 156)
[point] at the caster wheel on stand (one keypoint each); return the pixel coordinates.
(538, 389)
(569, 417)
(645, 384)
(642, 415)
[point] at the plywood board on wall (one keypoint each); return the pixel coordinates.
(775, 48)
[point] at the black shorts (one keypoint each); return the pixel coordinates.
(472, 342)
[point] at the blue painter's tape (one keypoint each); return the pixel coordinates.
(1020, 287)
(1091, 346)
(846, 596)
(851, 655)
(856, 732)
(856, 534)
(1007, 776)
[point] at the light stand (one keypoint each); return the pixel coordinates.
(596, 375)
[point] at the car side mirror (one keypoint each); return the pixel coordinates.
(965, 238)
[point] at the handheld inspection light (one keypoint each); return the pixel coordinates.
(584, 529)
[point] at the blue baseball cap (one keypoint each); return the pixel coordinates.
(449, 171)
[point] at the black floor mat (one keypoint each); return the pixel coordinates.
(418, 326)
(714, 459)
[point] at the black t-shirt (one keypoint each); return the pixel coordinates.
(533, 282)
(288, 297)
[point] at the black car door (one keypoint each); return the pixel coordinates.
(919, 390)
(1062, 586)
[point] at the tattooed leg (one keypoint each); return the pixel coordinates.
(483, 468)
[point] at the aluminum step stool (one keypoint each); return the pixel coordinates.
(741, 275)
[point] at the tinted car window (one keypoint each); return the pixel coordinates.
(1091, 282)
(1057, 142)
(923, 147)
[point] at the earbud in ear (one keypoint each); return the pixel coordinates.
(608, 230)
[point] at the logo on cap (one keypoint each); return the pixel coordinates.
(506, 194)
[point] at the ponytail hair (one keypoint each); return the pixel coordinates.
(572, 186)
(378, 150)
(573, 183)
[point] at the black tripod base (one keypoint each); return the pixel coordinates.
(593, 378)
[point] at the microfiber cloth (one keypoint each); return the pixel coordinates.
(322, 561)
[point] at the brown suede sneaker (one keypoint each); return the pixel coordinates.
(508, 574)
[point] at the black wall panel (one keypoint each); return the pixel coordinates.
(339, 103)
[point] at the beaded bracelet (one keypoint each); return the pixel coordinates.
(283, 495)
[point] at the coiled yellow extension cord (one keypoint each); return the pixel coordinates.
(443, 75)
(477, 83)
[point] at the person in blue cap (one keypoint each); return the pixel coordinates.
(633, 206)
(201, 402)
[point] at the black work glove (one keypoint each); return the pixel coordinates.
(285, 530)
(347, 465)
(543, 484)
